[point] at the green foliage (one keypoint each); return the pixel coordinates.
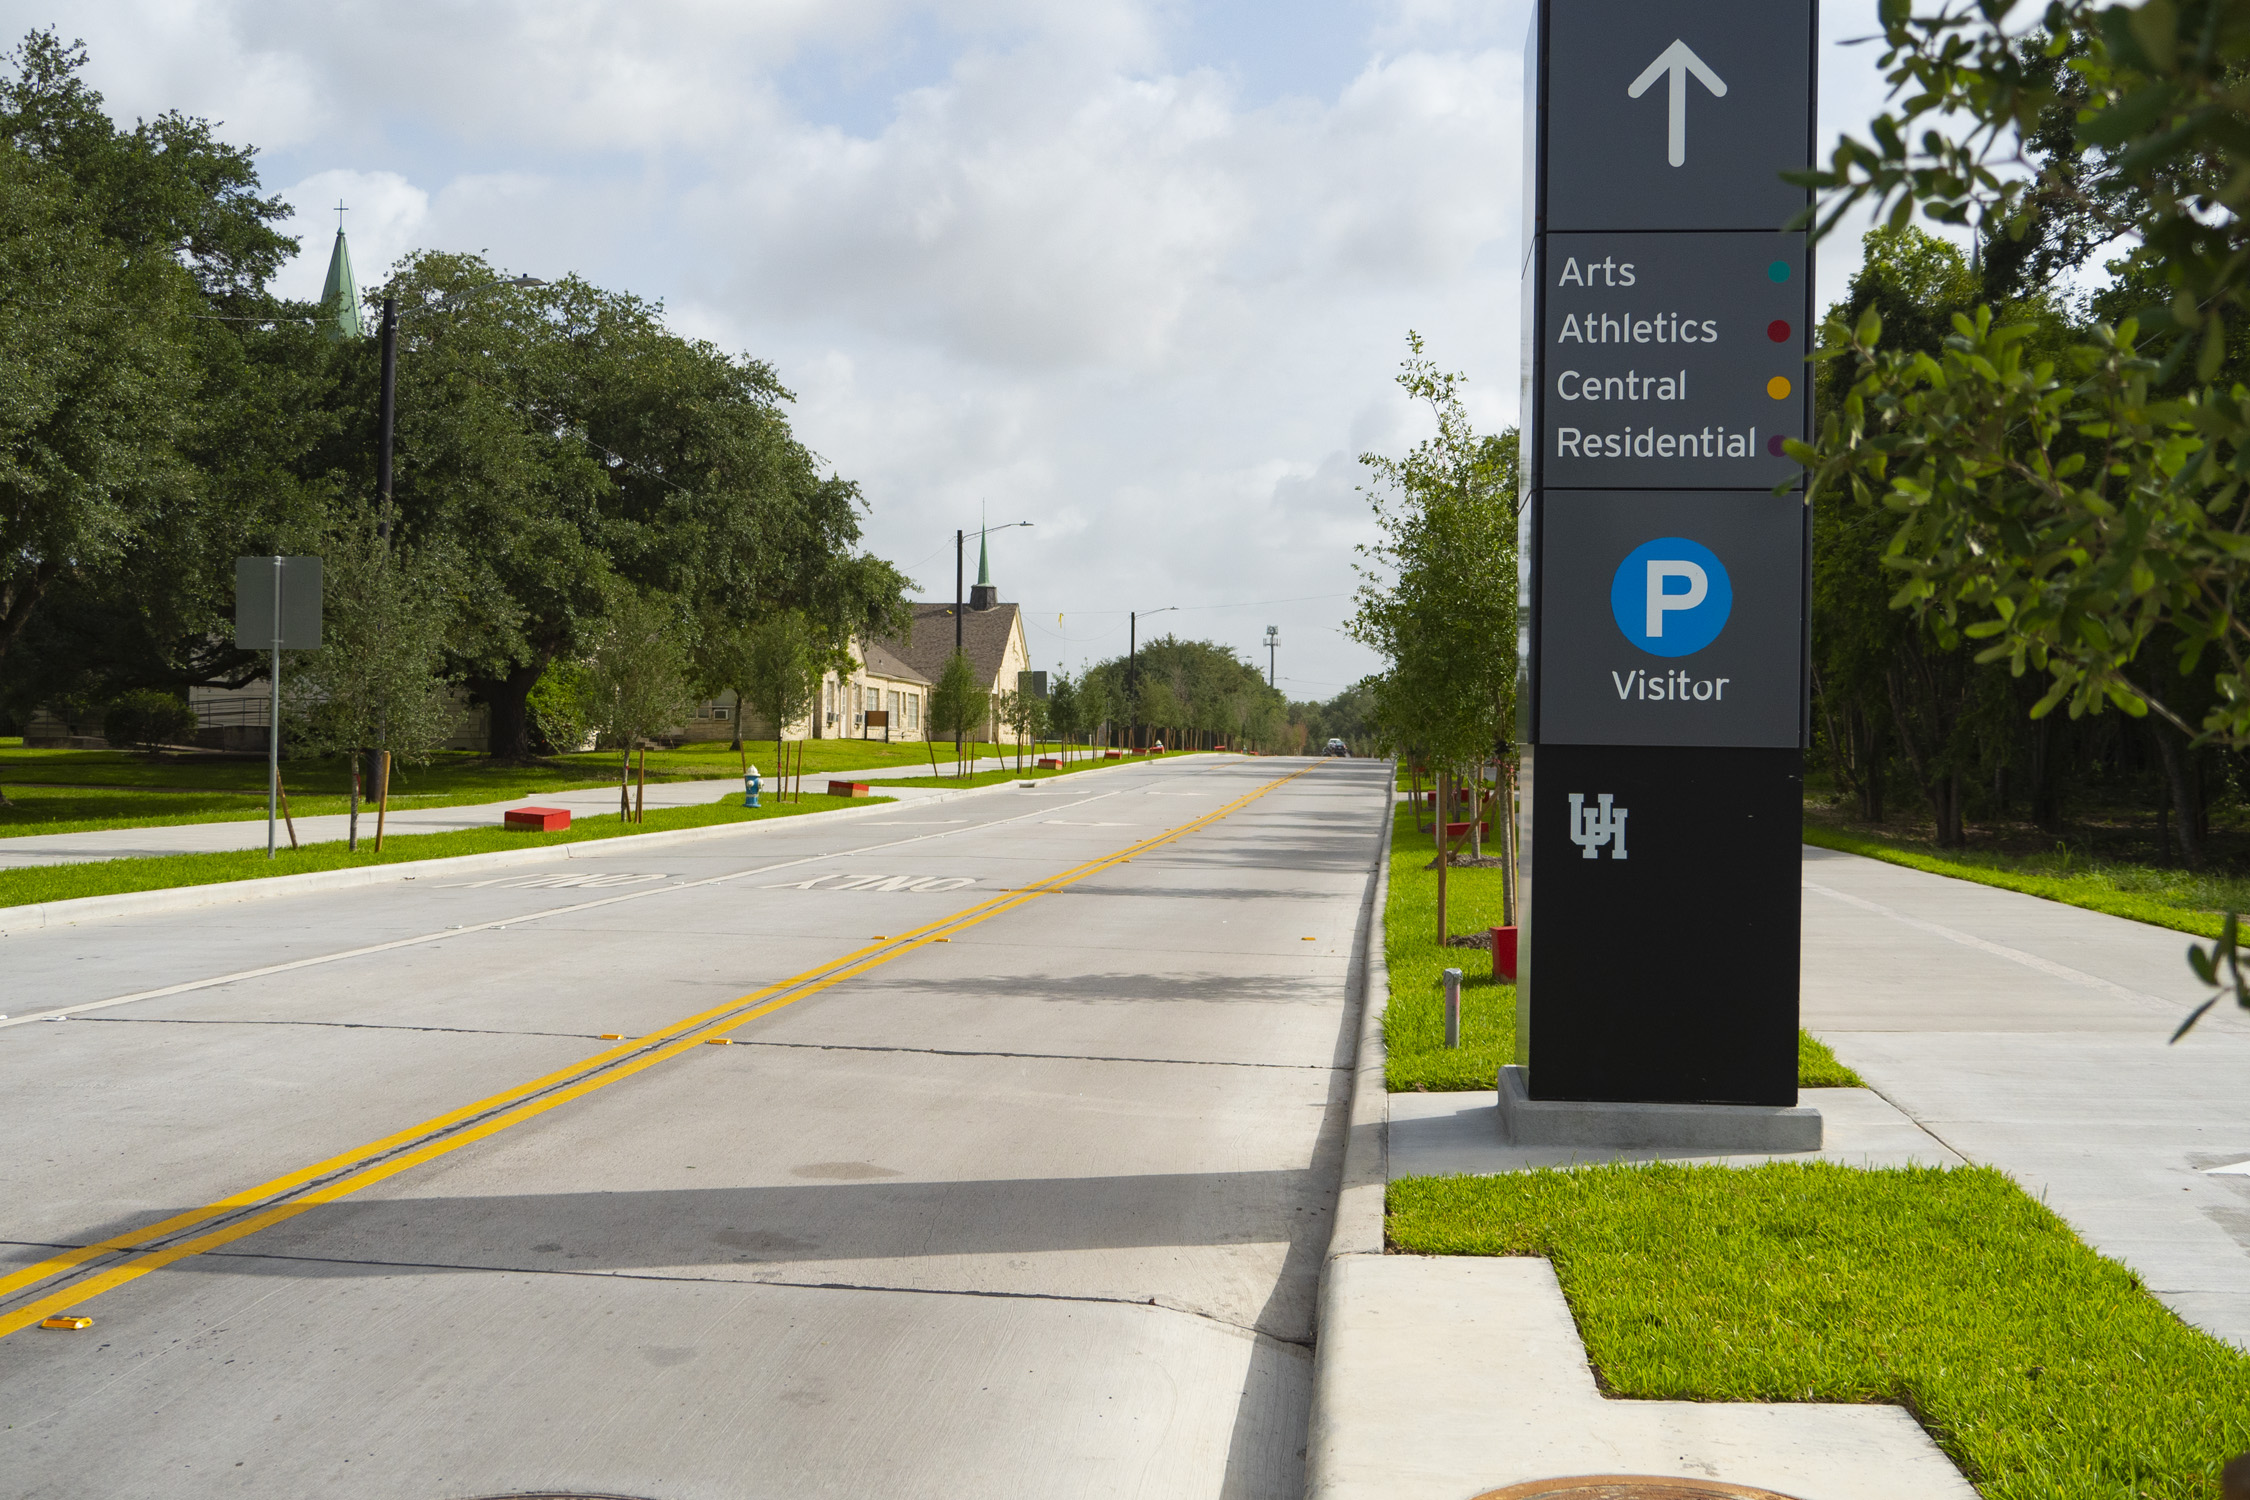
(377, 682)
(2041, 1368)
(780, 664)
(145, 719)
(2065, 506)
(151, 421)
(1065, 708)
(638, 673)
(958, 705)
(1188, 693)
(1439, 602)
(563, 441)
(1024, 715)
(561, 707)
(161, 413)
(1349, 716)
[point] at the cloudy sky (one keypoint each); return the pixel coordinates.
(1138, 271)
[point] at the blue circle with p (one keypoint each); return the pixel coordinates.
(1671, 597)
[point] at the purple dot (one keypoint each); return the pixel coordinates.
(1773, 446)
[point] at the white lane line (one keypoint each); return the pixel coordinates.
(2231, 1169)
(2045, 966)
(60, 1012)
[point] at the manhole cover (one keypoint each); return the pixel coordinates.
(1629, 1487)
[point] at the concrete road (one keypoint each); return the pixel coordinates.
(1032, 1211)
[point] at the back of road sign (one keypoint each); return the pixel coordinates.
(255, 580)
(1667, 316)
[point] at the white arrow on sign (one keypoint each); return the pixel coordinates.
(1678, 60)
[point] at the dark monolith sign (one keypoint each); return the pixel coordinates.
(1667, 315)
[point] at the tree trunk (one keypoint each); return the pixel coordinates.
(2185, 803)
(1867, 750)
(1950, 834)
(1939, 786)
(505, 698)
(2046, 805)
(1442, 861)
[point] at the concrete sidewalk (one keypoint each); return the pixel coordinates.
(215, 838)
(1992, 1027)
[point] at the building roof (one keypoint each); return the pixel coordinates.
(882, 661)
(984, 638)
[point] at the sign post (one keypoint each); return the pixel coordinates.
(1667, 317)
(276, 609)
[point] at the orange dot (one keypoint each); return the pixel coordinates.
(1778, 387)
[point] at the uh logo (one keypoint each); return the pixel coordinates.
(1592, 827)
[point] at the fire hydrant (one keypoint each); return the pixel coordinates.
(750, 785)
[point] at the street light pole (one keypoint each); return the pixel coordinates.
(1133, 668)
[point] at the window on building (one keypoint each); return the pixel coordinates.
(914, 710)
(874, 698)
(890, 703)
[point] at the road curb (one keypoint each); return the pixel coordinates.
(1359, 1198)
(1358, 1229)
(33, 916)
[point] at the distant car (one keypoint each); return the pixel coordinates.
(1336, 747)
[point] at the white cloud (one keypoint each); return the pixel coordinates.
(385, 217)
(1009, 253)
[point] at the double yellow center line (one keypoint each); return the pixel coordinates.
(245, 1213)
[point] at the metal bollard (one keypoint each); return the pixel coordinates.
(1452, 1007)
(751, 782)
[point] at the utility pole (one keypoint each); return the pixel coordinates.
(958, 543)
(389, 420)
(1273, 643)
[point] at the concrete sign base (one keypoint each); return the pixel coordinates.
(1603, 1125)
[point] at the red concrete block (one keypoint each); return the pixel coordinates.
(1049, 763)
(1456, 830)
(1112, 754)
(537, 819)
(1504, 954)
(847, 788)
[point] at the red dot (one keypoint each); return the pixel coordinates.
(1778, 331)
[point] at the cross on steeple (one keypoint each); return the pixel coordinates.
(339, 216)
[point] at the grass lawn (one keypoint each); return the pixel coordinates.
(70, 791)
(2041, 1368)
(109, 876)
(2184, 900)
(1414, 1022)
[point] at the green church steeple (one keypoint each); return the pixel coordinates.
(339, 298)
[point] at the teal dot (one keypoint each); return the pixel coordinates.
(1778, 271)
